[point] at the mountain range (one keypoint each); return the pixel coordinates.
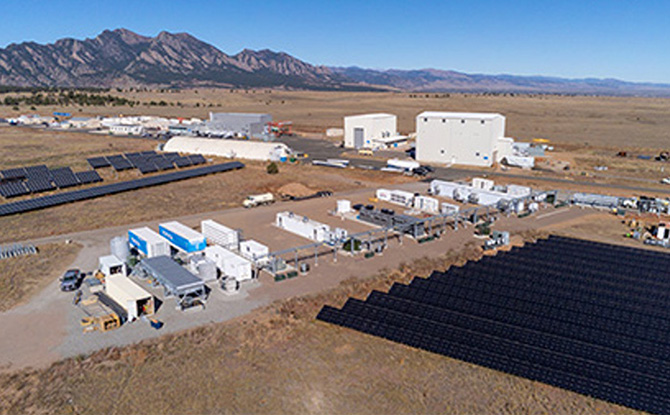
(122, 58)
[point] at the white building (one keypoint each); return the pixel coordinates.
(361, 131)
(237, 149)
(474, 139)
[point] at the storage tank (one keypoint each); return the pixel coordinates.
(118, 246)
(203, 268)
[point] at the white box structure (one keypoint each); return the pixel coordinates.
(475, 139)
(343, 206)
(360, 131)
(467, 193)
(254, 251)
(303, 226)
(111, 265)
(230, 264)
(482, 184)
(148, 242)
(518, 191)
(130, 296)
(427, 204)
(398, 197)
(182, 237)
(219, 234)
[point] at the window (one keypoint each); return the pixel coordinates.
(483, 121)
(477, 154)
(444, 120)
(442, 151)
(462, 121)
(425, 120)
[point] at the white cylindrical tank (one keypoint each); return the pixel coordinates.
(119, 248)
(207, 270)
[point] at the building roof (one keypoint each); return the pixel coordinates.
(110, 261)
(460, 115)
(172, 275)
(374, 115)
(131, 289)
(148, 235)
(391, 139)
(182, 230)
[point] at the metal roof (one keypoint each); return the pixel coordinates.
(374, 116)
(461, 115)
(175, 278)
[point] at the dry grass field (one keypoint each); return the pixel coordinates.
(612, 122)
(280, 360)
(21, 277)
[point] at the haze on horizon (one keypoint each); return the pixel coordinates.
(570, 39)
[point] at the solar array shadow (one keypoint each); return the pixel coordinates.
(584, 316)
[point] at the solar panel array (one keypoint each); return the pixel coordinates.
(584, 316)
(94, 192)
(146, 161)
(37, 179)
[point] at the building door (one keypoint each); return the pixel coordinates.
(359, 139)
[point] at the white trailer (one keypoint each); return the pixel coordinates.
(303, 226)
(130, 296)
(258, 200)
(253, 250)
(427, 204)
(182, 237)
(482, 184)
(219, 234)
(398, 197)
(148, 242)
(230, 264)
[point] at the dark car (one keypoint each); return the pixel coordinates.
(357, 206)
(71, 280)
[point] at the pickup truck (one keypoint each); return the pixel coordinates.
(71, 280)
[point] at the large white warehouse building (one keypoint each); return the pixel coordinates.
(237, 149)
(475, 139)
(366, 130)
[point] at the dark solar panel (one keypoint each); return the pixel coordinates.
(197, 159)
(16, 173)
(64, 177)
(13, 189)
(597, 324)
(163, 164)
(183, 162)
(146, 168)
(98, 162)
(37, 185)
(119, 163)
(40, 172)
(88, 176)
(94, 192)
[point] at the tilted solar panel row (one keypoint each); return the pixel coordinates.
(64, 178)
(557, 343)
(15, 173)
(559, 322)
(570, 327)
(522, 347)
(13, 189)
(83, 194)
(38, 185)
(494, 360)
(98, 162)
(515, 279)
(88, 177)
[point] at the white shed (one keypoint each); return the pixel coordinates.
(361, 131)
(475, 139)
(111, 265)
(130, 296)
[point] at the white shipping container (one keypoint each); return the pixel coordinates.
(343, 206)
(303, 226)
(230, 264)
(518, 191)
(406, 165)
(253, 250)
(482, 184)
(398, 197)
(427, 204)
(220, 234)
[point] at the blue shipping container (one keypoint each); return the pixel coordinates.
(139, 243)
(181, 242)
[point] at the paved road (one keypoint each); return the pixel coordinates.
(322, 149)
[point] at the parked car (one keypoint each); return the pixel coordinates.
(365, 152)
(357, 206)
(71, 280)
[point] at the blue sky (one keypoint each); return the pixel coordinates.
(569, 38)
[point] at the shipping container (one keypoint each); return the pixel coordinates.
(303, 226)
(230, 264)
(427, 204)
(148, 242)
(254, 251)
(130, 296)
(182, 237)
(216, 233)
